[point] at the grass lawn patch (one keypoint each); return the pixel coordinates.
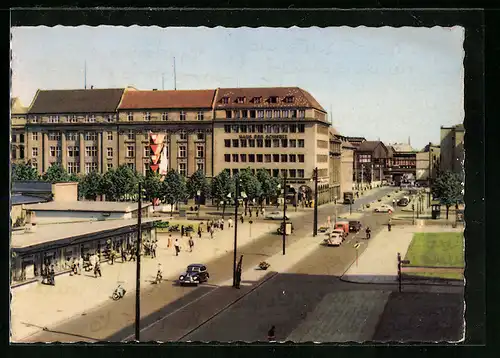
(437, 249)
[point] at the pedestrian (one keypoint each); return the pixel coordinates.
(177, 247)
(271, 337)
(263, 211)
(153, 250)
(159, 274)
(80, 264)
(169, 240)
(199, 231)
(124, 255)
(389, 225)
(182, 231)
(211, 232)
(230, 223)
(257, 212)
(52, 275)
(250, 211)
(97, 269)
(242, 219)
(113, 254)
(133, 254)
(191, 244)
(222, 224)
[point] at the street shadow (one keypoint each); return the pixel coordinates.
(45, 329)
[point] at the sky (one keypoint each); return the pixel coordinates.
(392, 84)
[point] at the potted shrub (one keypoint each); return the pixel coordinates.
(264, 265)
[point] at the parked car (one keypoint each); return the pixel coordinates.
(333, 240)
(195, 274)
(384, 208)
(404, 201)
(354, 226)
(281, 228)
(276, 215)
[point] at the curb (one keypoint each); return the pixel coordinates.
(446, 283)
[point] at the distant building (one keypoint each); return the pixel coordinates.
(428, 163)
(402, 165)
(18, 114)
(452, 149)
(371, 160)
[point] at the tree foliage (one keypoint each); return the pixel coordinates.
(174, 188)
(56, 174)
(198, 182)
(90, 186)
(268, 184)
(152, 185)
(222, 185)
(24, 172)
(119, 183)
(448, 188)
(249, 184)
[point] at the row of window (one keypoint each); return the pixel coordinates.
(130, 135)
(71, 118)
(292, 173)
(146, 116)
(264, 158)
(21, 138)
(261, 143)
(268, 114)
(257, 100)
(91, 151)
(74, 167)
(265, 128)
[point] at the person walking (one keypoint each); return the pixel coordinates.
(199, 231)
(242, 219)
(80, 264)
(182, 231)
(97, 269)
(257, 212)
(153, 249)
(52, 275)
(230, 223)
(191, 243)
(271, 337)
(263, 211)
(133, 254)
(250, 211)
(124, 255)
(211, 232)
(389, 224)
(222, 224)
(177, 247)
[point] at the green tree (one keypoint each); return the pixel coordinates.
(56, 174)
(74, 178)
(174, 189)
(152, 185)
(90, 186)
(448, 188)
(24, 172)
(222, 186)
(268, 184)
(198, 182)
(249, 184)
(119, 183)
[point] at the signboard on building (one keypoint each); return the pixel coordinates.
(263, 136)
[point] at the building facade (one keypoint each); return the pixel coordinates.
(402, 165)
(281, 129)
(428, 164)
(452, 149)
(335, 163)
(18, 136)
(371, 163)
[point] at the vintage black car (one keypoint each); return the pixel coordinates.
(354, 226)
(195, 274)
(403, 201)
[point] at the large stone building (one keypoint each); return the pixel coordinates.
(370, 163)
(18, 114)
(277, 129)
(428, 163)
(452, 149)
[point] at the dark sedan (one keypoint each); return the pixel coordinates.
(354, 226)
(195, 274)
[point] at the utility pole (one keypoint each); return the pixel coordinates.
(236, 203)
(284, 210)
(138, 267)
(315, 228)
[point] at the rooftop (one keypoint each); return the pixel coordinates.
(167, 99)
(56, 232)
(98, 206)
(368, 145)
(402, 147)
(34, 186)
(19, 199)
(260, 97)
(76, 101)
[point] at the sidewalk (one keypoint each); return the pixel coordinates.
(378, 262)
(35, 306)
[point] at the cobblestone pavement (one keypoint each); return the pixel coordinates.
(342, 317)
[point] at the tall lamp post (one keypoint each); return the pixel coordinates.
(236, 203)
(284, 210)
(315, 176)
(138, 266)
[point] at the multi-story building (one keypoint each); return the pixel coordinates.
(277, 129)
(72, 127)
(335, 164)
(402, 166)
(18, 136)
(186, 119)
(347, 165)
(428, 164)
(370, 163)
(452, 149)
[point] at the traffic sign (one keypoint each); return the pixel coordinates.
(356, 246)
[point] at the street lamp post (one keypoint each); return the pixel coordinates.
(236, 203)
(138, 266)
(315, 228)
(284, 210)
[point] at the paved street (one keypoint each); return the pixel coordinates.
(113, 317)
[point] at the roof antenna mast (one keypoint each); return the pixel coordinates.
(175, 79)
